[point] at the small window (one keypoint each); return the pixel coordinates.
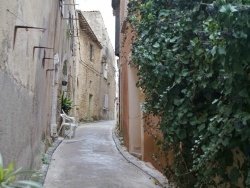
(105, 70)
(71, 32)
(105, 105)
(91, 52)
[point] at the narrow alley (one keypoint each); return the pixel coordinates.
(92, 160)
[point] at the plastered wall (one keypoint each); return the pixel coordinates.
(26, 78)
(134, 128)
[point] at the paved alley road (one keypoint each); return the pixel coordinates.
(91, 160)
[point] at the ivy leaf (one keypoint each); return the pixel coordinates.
(213, 51)
(212, 37)
(199, 52)
(215, 101)
(163, 13)
(185, 73)
(228, 9)
(201, 127)
(156, 45)
(222, 51)
(182, 134)
(184, 91)
(194, 41)
(174, 39)
(178, 102)
(223, 9)
(213, 129)
(243, 93)
(215, 85)
(225, 142)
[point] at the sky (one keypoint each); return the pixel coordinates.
(104, 6)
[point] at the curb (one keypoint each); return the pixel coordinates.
(158, 177)
(48, 155)
(45, 167)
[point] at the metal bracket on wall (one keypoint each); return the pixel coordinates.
(77, 29)
(70, 18)
(70, 4)
(26, 28)
(49, 70)
(40, 47)
(43, 62)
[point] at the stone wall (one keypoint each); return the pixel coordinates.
(88, 78)
(108, 62)
(92, 84)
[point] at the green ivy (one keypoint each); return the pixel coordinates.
(193, 65)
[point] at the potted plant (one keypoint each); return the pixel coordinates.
(66, 103)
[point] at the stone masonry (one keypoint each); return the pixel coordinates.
(95, 75)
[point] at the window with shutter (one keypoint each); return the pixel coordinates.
(105, 71)
(91, 52)
(105, 105)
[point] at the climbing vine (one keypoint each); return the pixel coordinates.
(193, 60)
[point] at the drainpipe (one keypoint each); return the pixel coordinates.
(54, 98)
(119, 95)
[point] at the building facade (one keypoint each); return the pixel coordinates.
(139, 139)
(95, 70)
(36, 44)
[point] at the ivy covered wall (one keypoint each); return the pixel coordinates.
(193, 66)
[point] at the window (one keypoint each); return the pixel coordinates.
(71, 31)
(91, 52)
(105, 105)
(105, 70)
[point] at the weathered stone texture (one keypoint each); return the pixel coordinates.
(90, 77)
(26, 80)
(108, 85)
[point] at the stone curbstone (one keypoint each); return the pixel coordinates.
(48, 155)
(148, 168)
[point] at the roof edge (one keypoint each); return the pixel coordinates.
(84, 25)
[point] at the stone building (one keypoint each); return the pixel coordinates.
(138, 137)
(95, 69)
(37, 40)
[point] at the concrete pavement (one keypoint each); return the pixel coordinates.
(91, 160)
